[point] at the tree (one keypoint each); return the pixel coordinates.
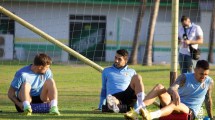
(212, 31)
(135, 45)
(147, 59)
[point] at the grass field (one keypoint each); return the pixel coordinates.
(79, 88)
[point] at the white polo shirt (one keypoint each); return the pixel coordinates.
(192, 33)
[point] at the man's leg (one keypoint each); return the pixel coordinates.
(190, 65)
(181, 108)
(183, 63)
(24, 96)
(165, 101)
(49, 93)
(138, 87)
(160, 92)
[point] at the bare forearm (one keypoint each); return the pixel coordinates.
(209, 105)
(171, 90)
(13, 98)
(197, 41)
(208, 100)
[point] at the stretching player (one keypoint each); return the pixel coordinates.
(121, 85)
(185, 95)
(34, 84)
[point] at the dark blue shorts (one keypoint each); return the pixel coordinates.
(35, 99)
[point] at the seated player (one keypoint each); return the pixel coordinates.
(185, 95)
(121, 85)
(34, 84)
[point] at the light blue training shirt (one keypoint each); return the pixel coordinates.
(36, 81)
(115, 80)
(192, 94)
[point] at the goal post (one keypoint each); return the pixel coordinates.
(50, 39)
(174, 41)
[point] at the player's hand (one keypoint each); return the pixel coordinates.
(187, 42)
(176, 98)
(20, 105)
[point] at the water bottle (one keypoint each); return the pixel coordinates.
(206, 118)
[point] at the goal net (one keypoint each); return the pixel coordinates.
(93, 30)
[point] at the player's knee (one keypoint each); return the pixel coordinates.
(25, 86)
(137, 77)
(49, 81)
(159, 87)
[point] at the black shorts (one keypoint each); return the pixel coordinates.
(35, 99)
(126, 97)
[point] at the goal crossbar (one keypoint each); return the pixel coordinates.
(51, 39)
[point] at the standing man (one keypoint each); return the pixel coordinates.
(34, 84)
(121, 85)
(187, 94)
(189, 34)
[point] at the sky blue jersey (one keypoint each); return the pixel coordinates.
(36, 81)
(192, 94)
(115, 80)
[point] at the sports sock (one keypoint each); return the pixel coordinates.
(155, 114)
(140, 98)
(25, 104)
(53, 103)
(137, 110)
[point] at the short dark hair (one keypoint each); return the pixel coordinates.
(203, 64)
(183, 18)
(122, 52)
(42, 59)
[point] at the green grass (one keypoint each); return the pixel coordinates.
(78, 88)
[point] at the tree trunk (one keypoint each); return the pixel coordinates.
(211, 40)
(135, 45)
(147, 59)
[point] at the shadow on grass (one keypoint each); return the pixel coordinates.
(153, 70)
(66, 114)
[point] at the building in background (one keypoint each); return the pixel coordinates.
(94, 28)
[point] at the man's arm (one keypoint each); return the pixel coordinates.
(103, 91)
(173, 89)
(208, 100)
(199, 37)
(13, 98)
(199, 40)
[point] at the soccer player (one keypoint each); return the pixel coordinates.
(120, 84)
(34, 84)
(185, 95)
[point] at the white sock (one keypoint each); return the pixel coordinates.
(53, 103)
(140, 98)
(25, 104)
(155, 114)
(137, 110)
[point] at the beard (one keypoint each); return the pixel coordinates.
(116, 65)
